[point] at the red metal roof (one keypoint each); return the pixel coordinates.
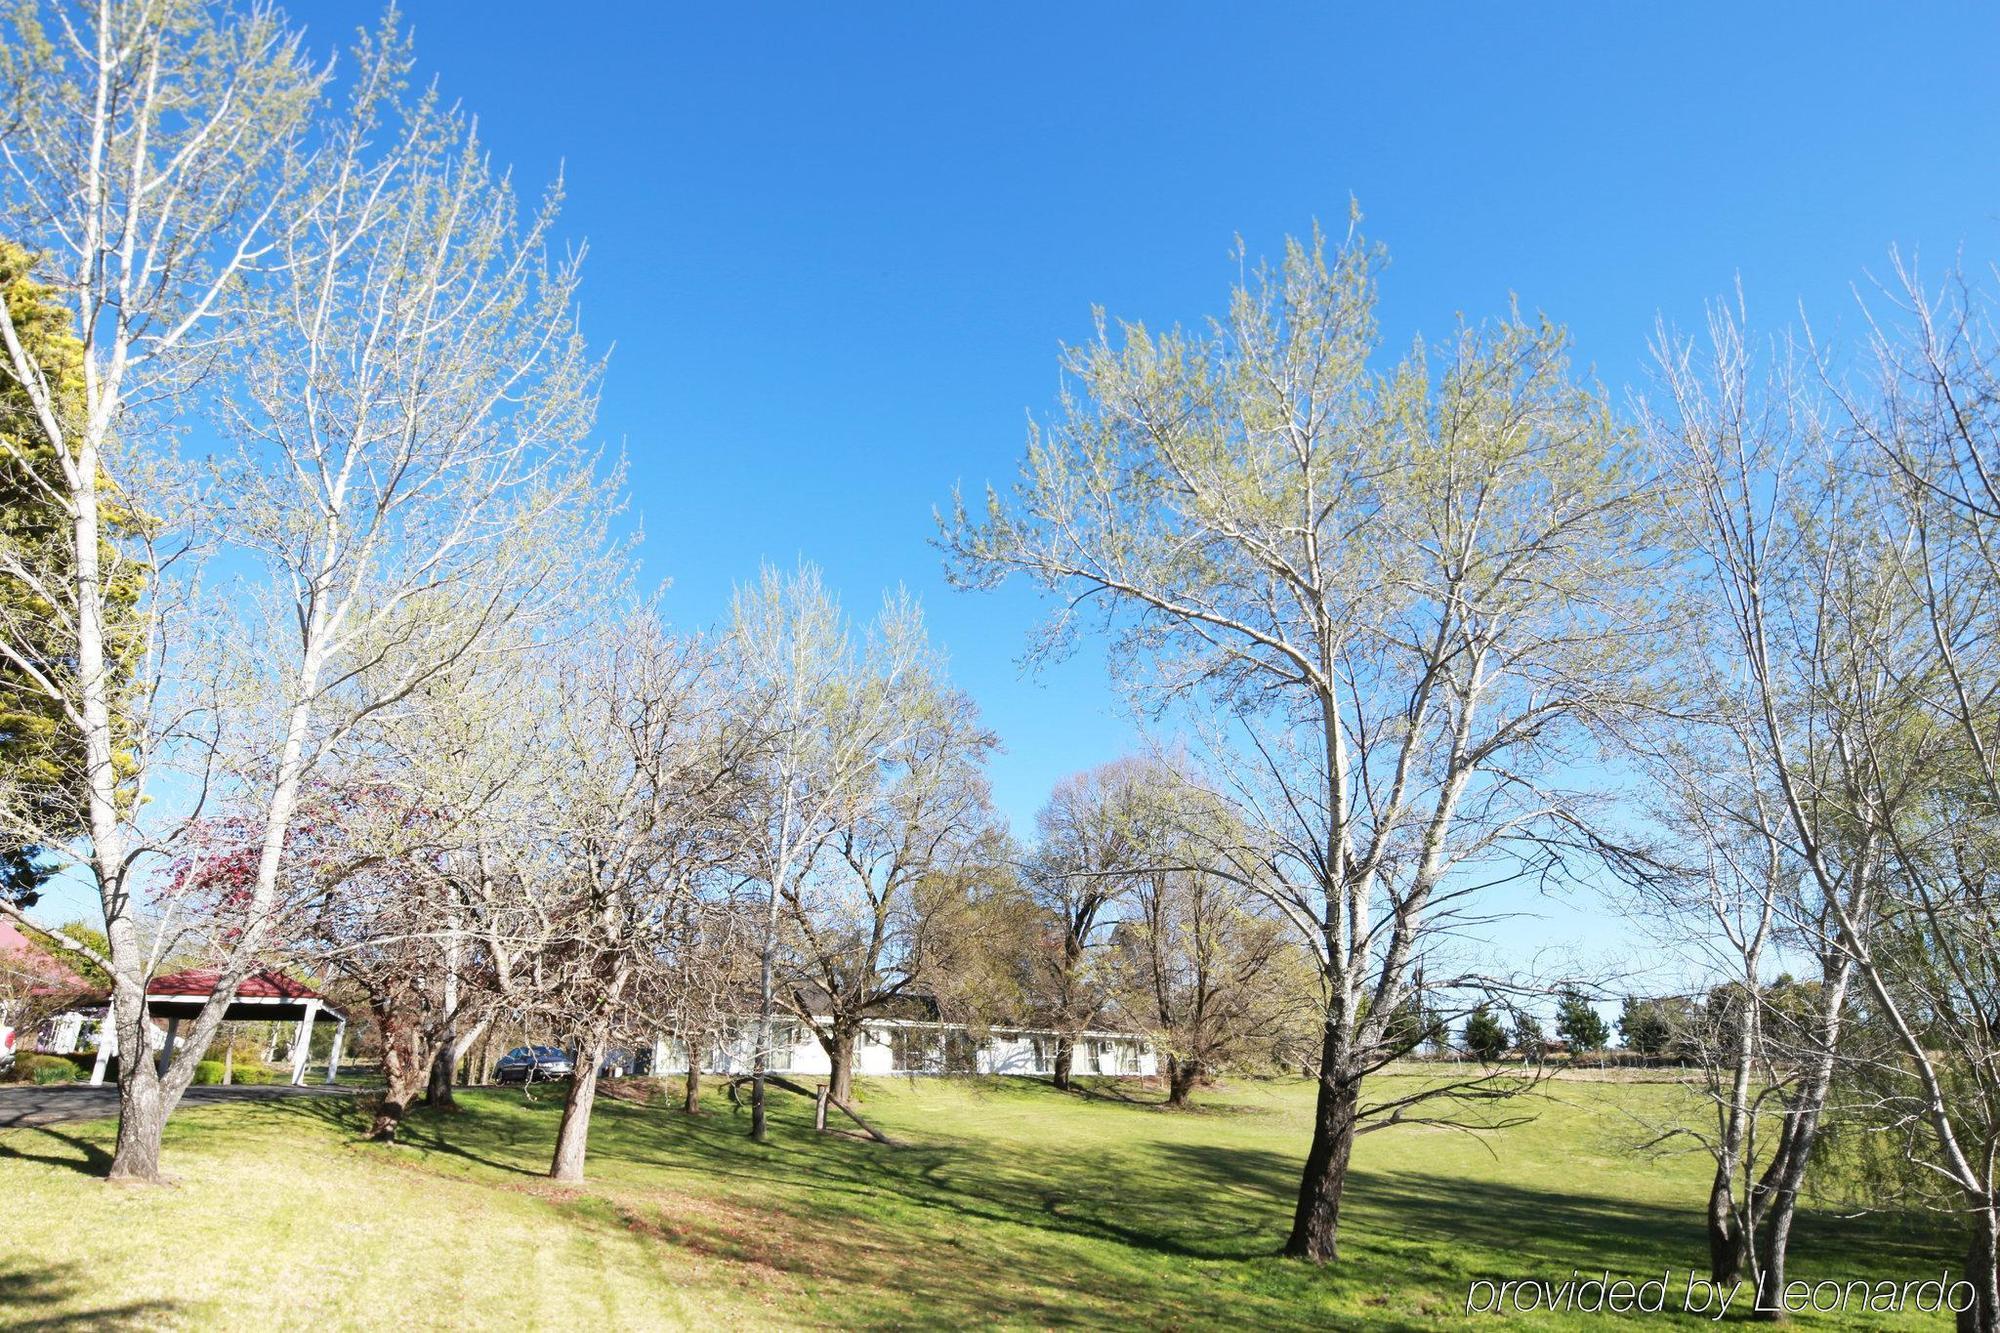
(11, 938)
(260, 985)
(22, 950)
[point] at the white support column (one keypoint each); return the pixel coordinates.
(302, 1048)
(167, 1047)
(107, 1046)
(333, 1056)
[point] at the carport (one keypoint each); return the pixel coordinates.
(261, 997)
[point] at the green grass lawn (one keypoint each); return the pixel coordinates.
(1005, 1202)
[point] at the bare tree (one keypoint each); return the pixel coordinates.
(406, 466)
(879, 915)
(428, 915)
(1088, 850)
(1722, 881)
(151, 147)
(648, 762)
(829, 703)
(1724, 897)
(1794, 573)
(709, 962)
(1412, 595)
(1927, 417)
(1213, 974)
(397, 881)
(405, 417)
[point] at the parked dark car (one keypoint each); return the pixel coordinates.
(534, 1064)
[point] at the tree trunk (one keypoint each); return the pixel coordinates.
(1726, 1247)
(142, 1112)
(475, 1061)
(229, 1061)
(840, 1084)
(1728, 1240)
(691, 1090)
(142, 1115)
(1316, 1224)
(1982, 1270)
(403, 1071)
(1771, 1267)
(1775, 1204)
(766, 999)
(761, 1057)
(1181, 1078)
(142, 1101)
(573, 1138)
(438, 1093)
(1065, 1053)
(1782, 1180)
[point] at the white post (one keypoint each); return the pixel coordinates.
(107, 1046)
(333, 1056)
(302, 1048)
(167, 1049)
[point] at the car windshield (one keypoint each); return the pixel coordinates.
(550, 1051)
(519, 1053)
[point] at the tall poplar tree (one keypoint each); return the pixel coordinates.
(1396, 605)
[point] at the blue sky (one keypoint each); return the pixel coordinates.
(837, 247)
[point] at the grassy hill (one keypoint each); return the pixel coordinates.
(1004, 1202)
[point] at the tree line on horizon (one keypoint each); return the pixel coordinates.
(316, 643)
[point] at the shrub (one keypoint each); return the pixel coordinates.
(245, 1074)
(35, 1067)
(260, 1075)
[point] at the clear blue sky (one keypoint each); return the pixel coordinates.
(837, 246)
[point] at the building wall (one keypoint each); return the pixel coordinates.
(874, 1053)
(1013, 1053)
(62, 1034)
(890, 1047)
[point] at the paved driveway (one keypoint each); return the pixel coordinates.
(23, 1105)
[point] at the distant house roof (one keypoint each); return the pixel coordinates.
(263, 996)
(911, 1004)
(259, 985)
(23, 951)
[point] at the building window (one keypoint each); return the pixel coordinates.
(916, 1050)
(784, 1041)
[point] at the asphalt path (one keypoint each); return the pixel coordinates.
(26, 1105)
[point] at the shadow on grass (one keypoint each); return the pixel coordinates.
(84, 1157)
(1225, 1209)
(1117, 1091)
(438, 1131)
(1269, 1173)
(951, 1230)
(26, 1291)
(448, 1131)
(1089, 1228)
(970, 1232)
